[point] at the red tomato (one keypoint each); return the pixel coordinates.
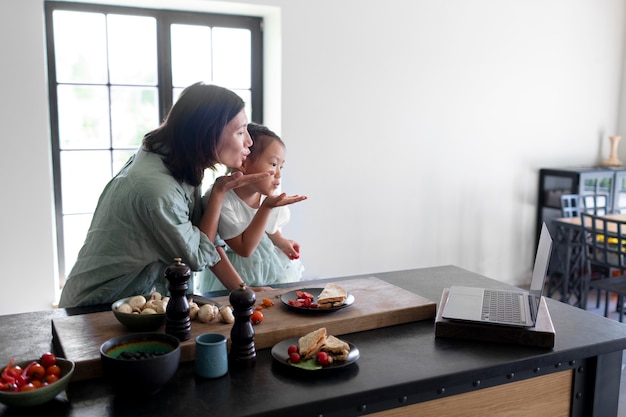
(28, 387)
(294, 357)
(293, 349)
(48, 359)
(53, 370)
(322, 358)
(256, 317)
(51, 378)
(36, 371)
(15, 371)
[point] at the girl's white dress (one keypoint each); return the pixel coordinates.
(267, 265)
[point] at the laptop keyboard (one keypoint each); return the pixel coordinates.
(501, 306)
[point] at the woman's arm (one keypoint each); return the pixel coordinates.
(225, 271)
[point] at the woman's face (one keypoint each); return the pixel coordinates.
(232, 148)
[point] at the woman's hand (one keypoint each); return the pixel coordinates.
(237, 179)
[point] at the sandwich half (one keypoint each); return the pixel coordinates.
(331, 296)
(336, 348)
(311, 343)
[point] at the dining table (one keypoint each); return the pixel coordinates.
(402, 370)
(567, 266)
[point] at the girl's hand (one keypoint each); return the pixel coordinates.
(291, 249)
(238, 179)
(283, 199)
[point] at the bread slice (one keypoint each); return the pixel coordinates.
(310, 343)
(331, 296)
(337, 348)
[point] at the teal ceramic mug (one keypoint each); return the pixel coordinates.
(211, 355)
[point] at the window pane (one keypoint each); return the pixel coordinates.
(246, 96)
(132, 50)
(134, 112)
(83, 175)
(191, 54)
(83, 117)
(232, 57)
(80, 47)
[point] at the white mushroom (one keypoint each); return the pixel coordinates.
(161, 307)
(226, 315)
(193, 311)
(137, 302)
(125, 308)
(148, 311)
(153, 304)
(207, 313)
(156, 296)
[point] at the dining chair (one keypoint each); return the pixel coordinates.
(604, 242)
(597, 204)
(570, 205)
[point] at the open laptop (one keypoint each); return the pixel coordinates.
(504, 307)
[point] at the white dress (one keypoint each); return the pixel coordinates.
(267, 265)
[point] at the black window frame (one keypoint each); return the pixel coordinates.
(164, 18)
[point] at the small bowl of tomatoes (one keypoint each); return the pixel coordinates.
(36, 381)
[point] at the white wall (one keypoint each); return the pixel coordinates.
(417, 129)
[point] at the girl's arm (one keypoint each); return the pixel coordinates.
(211, 216)
(246, 243)
(290, 248)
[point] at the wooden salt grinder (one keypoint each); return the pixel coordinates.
(242, 350)
(178, 323)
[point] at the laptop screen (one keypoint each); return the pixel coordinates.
(540, 270)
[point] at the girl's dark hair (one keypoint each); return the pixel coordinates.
(261, 138)
(189, 136)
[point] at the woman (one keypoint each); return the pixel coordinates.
(151, 213)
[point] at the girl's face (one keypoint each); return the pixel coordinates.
(272, 159)
(232, 148)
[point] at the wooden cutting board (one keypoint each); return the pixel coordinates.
(377, 304)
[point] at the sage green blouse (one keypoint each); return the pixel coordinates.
(143, 221)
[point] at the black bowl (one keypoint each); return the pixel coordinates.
(155, 360)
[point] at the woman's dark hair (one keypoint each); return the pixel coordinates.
(261, 138)
(189, 136)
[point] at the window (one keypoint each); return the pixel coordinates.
(114, 73)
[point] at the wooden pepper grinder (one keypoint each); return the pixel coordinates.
(178, 323)
(242, 350)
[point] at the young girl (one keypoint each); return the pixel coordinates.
(251, 219)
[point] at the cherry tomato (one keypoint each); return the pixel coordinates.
(51, 378)
(294, 357)
(37, 382)
(36, 371)
(53, 370)
(256, 317)
(15, 371)
(48, 359)
(322, 358)
(28, 387)
(293, 349)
